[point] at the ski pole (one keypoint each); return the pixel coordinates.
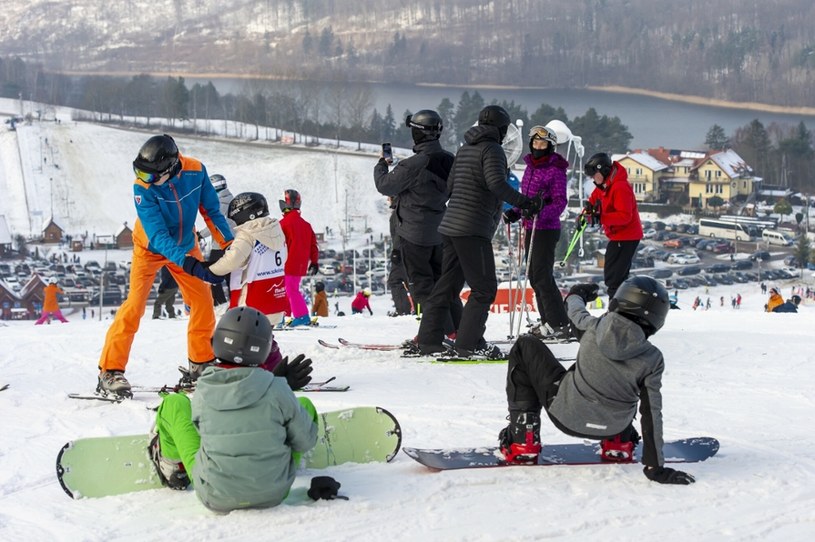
(511, 257)
(573, 242)
(526, 272)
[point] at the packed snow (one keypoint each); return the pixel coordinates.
(742, 376)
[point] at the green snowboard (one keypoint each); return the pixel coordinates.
(103, 466)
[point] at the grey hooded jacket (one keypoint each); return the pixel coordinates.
(250, 422)
(616, 368)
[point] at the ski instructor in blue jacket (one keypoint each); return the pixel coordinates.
(169, 192)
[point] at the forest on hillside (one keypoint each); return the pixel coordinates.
(736, 50)
(781, 155)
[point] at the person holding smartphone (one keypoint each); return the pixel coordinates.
(419, 187)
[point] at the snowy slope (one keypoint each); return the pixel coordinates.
(742, 376)
(84, 173)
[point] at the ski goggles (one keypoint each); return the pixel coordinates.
(150, 176)
(542, 132)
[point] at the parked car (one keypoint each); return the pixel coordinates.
(649, 233)
(741, 264)
(689, 270)
(722, 247)
(760, 255)
(672, 243)
(661, 273)
(718, 268)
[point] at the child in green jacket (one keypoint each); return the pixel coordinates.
(240, 437)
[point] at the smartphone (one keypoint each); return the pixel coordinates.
(387, 152)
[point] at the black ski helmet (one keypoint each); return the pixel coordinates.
(494, 115)
(643, 300)
(243, 336)
(424, 124)
(291, 200)
(158, 155)
(319, 286)
(600, 162)
(247, 206)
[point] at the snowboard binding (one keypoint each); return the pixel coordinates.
(520, 441)
(616, 450)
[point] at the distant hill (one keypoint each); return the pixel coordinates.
(725, 49)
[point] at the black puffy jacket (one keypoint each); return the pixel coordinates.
(478, 186)
(420, 185)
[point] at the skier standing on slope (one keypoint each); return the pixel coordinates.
(169, 191)
(50, 304)
(616, 368)
(301, 244)
(419, 186)
(614, 205)
(224, 198)
(545, 175)
(240, 438)
(478, 187)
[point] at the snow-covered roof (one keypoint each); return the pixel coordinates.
(731, 163)
(5, 234)
(644, 159)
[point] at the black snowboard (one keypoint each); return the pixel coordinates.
(690, 450)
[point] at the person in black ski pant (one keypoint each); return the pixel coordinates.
(596, 398)
(419, 186)
(397, 277)
(167, 289)
(478, 185)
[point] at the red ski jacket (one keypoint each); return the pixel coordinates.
(301, 244)
(618, 207)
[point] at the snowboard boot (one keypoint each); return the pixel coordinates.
(548, 333)
(484, 350)
(171, 472)
(113, 383)
(621, 447)
(520, 441)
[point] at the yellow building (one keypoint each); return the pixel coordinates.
(644, 172)
(722, 174)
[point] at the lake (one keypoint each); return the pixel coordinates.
(653, 122)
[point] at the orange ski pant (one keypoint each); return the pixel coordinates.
(196, 294)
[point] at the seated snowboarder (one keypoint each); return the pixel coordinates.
(238, 439)
(616, 368)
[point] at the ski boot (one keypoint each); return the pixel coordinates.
(113, 383)
(171, 472)
(555, 334)
(190, 375)
(520, 441)
(615, 449)
(304, 320)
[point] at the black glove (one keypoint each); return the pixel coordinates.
(511, 216)
(396, 257)
(666, 475)
(370, 311)
(199, 270)
(586, 292)
(296, 372)
(532, 206)
(313, 269)
(591, 213)
(324, 487)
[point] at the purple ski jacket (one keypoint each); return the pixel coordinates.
(546, 177)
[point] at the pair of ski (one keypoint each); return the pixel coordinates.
(402, 347)
(437, 359)
(312, 387)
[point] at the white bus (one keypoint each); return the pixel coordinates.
(753, 224)
(724, 230)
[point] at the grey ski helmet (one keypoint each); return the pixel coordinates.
(218, 182)
(243, 336)
(643, 300)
